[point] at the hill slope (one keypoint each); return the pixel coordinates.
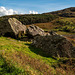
(23, 58)
(68, 12)
(29, 18)
(20, 58)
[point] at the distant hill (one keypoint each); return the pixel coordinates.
(68, 12)
(30, 18)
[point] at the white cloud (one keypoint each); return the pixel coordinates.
(4, 11)
(21, 13)
(30, 12)
(33, 12)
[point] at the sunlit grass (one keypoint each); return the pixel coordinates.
(9, 48)
(21, 58)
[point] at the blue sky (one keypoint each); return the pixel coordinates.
(41, 6)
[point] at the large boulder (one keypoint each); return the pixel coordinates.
(54, 45)
(16, 25)
(12, 27)
(33, 30)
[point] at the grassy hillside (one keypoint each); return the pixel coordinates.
(67, 12)
(20, 58)
(59, 24)
(30, 18)
(65, 24)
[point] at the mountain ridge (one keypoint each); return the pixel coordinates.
(67, 12)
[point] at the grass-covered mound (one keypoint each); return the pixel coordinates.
(65, 24)
(20, 58)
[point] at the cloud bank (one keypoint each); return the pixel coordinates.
(4, 11)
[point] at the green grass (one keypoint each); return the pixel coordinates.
(9, 46)
(5, 69)
(68, 19)
(64, 33)
(66, 24)
(20, 58)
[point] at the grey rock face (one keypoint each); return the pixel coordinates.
(54, 45)
(35, 30)
(16, 26)
(12, 27)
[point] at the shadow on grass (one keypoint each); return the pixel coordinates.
(38, 51)
(63, 60)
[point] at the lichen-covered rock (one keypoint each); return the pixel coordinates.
(33, 30)
(12, 27)
(16, 25)
(54, 45)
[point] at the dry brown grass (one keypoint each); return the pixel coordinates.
(22, 60)
(47, 26)
(66, 68)
(40, 66)
(26, 62)
(14, 55)
(72, 40)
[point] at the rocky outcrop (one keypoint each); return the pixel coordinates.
(12, 27)
(54, 45)
(33, 30)
(50, 43)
